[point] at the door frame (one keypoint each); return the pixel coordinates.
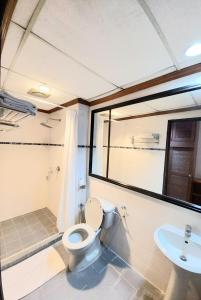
(167, 151)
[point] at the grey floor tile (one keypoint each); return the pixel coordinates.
(92, 285)
(148, 292)
(108, 255)
(33, 296)
(133, 278)
(121, 291)
(26, 230)
(119, 264)
(100, 264)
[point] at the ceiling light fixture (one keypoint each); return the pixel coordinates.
(41, 91)
(194, 50)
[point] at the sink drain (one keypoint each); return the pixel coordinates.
(183, 257)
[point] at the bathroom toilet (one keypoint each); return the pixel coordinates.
(82, 241)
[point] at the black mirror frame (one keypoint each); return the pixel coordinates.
(163, 94)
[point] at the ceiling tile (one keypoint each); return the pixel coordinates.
(23, 11)
(43, 62)
(197, 96)
(21, 84)
(132, 110)
(172, 102)
(11, 44)
(113, 38)
(40, 103)
(4, 73)
(180, 21)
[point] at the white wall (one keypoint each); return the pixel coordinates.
(23, 169)
(56, 159)
(134, 239)
(142, 168)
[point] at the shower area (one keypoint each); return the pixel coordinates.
(31, 171)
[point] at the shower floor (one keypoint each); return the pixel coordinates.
(24, 231)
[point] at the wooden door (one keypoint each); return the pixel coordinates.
(180, 159)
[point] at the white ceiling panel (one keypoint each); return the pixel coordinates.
(21, 84)
(11, 44)
(23, 11)
(114, 38)
(132, 110)
(172, 102)
(197, 96)
(180, 21)
(40, 103)
(4, 73)
(43, 62)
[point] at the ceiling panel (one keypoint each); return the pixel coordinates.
(23, 11)
(4, 73)
(11, 44)
(113, 38)
(172, 102)
(40, 103)
(21, 84)
(180, 21)
(132, 110)
(197, 96)
(43, 62)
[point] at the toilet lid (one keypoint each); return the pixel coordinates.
(93, 213)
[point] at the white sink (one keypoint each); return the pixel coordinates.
(170, 241)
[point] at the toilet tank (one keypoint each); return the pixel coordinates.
(108, 210)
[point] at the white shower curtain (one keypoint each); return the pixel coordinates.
(69, 198)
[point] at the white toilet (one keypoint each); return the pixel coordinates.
(82, 241)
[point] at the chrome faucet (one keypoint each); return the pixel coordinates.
(188, 230)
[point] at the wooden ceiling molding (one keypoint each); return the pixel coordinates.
(67, 104)
(7, 9)
(150, 83)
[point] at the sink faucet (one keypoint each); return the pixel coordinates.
(188, 230)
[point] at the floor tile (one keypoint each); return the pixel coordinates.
(108, 254)
(133, 278)
(91, 284)
(121, 291)
(100, 264)
(119, 264)
(26, 230)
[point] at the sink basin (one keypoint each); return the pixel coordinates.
(170, 241)
(185, 258)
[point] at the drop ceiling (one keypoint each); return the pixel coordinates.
(92, 48)
(190, 99)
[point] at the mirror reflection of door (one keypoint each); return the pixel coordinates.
(183, 165)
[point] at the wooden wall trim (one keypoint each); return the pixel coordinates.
(158, 113)
(8, 9)
(67, 104)
(150, 83)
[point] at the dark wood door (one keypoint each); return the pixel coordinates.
(180, 159)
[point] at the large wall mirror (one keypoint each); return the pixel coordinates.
(151, 145)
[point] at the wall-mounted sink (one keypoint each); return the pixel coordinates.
(171, 242)
(184, 253)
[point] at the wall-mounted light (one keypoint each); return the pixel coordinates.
(41, 91)
(194, 50)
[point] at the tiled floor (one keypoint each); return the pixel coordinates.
(24, 231)
(108, 278)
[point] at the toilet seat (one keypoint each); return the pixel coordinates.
(78, 236)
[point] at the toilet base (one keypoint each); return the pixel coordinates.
(81, 261)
